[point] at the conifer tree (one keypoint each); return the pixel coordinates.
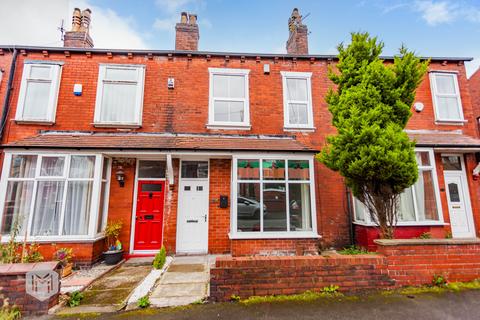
(370, 107)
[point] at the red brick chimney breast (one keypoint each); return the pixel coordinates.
(187, 33)
(297, 42)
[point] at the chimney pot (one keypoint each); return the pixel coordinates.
(79, 36)
(192, 19)
(183, 17)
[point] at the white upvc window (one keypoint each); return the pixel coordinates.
(54, 196)
(229, 98)
(297, 100)
(119, 95)
(37, 101)
(273, 196)
(420, 204)
(446, 97)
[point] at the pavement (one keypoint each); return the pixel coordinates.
(185, 281)
(444, 306)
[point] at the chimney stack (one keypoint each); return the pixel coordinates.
(297, 42)
(79, 36)
(187, 33)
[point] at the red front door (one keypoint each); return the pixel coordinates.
(149, 215)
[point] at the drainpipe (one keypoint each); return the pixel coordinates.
(351, 229)
(170, 176)
(6, 103)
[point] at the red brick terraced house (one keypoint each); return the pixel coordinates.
(209, 152)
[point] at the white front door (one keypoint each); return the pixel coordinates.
(192, 219)
(458, 197)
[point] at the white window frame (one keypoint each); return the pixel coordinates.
(92, 234)
(55, 75)
(246, 100)
(140, 83)
(106, 200)
(286, 110)
(235, 234)
(435, 95)
(440, 222)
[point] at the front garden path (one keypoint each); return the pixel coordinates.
(111, 292)
(186, 281)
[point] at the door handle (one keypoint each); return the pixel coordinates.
(205, 216)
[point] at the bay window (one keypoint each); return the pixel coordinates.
(420, 203)
(54, 195)
(119, 95)
(273, 197)
(446, 97)
(229, 101)
(38, 95)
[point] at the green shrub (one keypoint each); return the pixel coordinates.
(143, 302)
(8, 312)
(354, 250)
(331, 289)
(426, 235)
(439, 280)
(75, 299)
(160, 258)
(234, 297)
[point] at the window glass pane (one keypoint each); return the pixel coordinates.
(106, 162)
(195, 169)
(297, 89)
(102, 209)
(77, 208)
(248, 207)
(423, 158)
(48, 205)
(359, 210)
(275, 211)
(52, 166)
(453, 192)
(17, 205)
(452, 163)
(300, 212)
(23, 166)
(273, 169)
(248, 169)
(40, 72)
(448, 108)
(406, 208)
(118, 74)
(298, 113)
(425, 196)
(151, 169)
(82, 166)
(298, 170)
(231, 111)
(36, 101)
(119, 103)
(151, 187)
(236, 87)
(220, 86)
(445, 84)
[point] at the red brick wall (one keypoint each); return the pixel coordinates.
(12, 287)
(394, 266)
(85, 253)
(417, 264)
(260, 276)
(270, 246)
(170, 212)
(474, 86)
(219, 218)
(184, 109)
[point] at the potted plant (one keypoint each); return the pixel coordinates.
(114, 252)
(64, 256)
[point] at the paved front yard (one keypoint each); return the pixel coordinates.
(449, 305)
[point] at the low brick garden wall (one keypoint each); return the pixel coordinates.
(398, 263)
(12, 287)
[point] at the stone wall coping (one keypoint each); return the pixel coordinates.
(422, 242)
(22, 268)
